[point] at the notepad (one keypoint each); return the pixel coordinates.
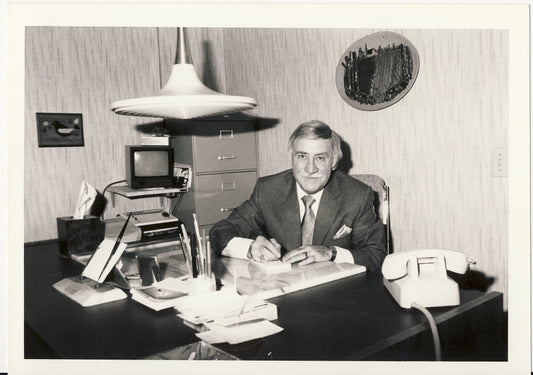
(273, 267)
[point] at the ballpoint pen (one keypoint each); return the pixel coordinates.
(115, 247)
(199, 246)
(187, 255)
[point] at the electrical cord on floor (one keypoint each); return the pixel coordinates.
(433, 326)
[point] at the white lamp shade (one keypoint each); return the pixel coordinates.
(184, 96)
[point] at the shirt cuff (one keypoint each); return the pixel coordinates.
(238, 248)
(343, 256)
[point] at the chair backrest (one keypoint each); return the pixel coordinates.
(381, 199)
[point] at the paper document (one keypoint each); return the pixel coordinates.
(274, 267)
(93, 269)
(238, 333)
(254, 281)
(225, 307)
(155, 298)
(178, 284)
(161, 295)
(85, 200)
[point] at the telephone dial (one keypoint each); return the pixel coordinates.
(419, 276)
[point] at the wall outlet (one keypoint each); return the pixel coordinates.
(500, 165)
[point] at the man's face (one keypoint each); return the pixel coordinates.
(312, 163)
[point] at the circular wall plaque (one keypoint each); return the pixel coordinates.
(377, 71)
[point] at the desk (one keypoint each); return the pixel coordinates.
(350, 319)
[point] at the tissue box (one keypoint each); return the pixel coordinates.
(79, 235)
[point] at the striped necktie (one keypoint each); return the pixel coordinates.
(308, 223)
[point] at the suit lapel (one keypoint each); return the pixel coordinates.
(327, 211)
(289, 213)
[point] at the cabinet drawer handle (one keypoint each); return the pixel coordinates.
(225, 133)
(226, 157)
(226, 209)
(226, 186)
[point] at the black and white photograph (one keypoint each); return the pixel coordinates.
(275, 187)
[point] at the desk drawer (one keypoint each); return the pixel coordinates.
(218, 194)
(224, 147)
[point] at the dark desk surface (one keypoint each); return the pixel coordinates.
(350, 319)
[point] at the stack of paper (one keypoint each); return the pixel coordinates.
(229, 316)
(238, 333)
(156, 298)
(225, 307)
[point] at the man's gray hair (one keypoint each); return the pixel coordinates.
(315, 129)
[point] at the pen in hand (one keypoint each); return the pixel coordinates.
(278, 246)
(263, 249)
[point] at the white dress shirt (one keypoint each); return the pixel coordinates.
(238, 247)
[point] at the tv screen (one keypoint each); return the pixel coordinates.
(149, 166)
(151, 163)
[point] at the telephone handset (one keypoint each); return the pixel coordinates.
(419, 276)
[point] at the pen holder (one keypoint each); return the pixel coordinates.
(201, 284)
(79, 235)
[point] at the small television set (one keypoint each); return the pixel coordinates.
(149, 166)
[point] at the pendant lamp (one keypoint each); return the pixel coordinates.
(184, 96)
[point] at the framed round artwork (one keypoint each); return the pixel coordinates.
(377, 71)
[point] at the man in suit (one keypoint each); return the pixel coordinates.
(312, 213)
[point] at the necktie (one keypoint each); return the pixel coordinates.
(308, 223)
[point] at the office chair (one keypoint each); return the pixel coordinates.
(381, 200)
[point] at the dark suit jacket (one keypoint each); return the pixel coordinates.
(273, 211)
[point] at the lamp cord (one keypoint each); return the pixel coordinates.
(433, 326)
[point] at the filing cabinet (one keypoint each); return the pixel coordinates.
(223, 156)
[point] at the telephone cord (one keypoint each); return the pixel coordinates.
(433, 326)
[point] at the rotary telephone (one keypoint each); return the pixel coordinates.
(419, 276)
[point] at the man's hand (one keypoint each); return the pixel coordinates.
(308, 254)
(264, 250)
